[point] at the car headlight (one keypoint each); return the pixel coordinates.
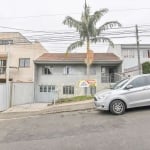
(103, 96)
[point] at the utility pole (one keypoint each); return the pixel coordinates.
(138, 50)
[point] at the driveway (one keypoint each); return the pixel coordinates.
(80, 130)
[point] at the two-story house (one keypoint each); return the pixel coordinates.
(129, 56)
(19, 52)
(58, 75)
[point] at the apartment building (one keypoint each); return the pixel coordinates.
(17, 54)
(129, 56)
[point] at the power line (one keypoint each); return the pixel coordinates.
(73, 13)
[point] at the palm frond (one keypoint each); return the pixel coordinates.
(102, 39)
(97, 15)
(108, 25)
(74, 45)
(72, 23)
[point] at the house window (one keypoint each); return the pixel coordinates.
(128, 53)
(2, 66)
(6, 42)
(24, 62)
(47, 88)
(51, 88)
(146, 53)
(68, 89)
(47, 70)
(67, 70)
(2, 63)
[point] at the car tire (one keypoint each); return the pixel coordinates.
(117, 107)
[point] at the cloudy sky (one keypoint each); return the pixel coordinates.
(47, 16)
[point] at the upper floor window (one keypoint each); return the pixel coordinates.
(146, 53)
(67, 70)
(128, 53)
(24, 62)
(47, 70)
(2, 66)
(6, 42)
(2, 63)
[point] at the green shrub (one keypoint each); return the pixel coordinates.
(146, 67)
(74, 99)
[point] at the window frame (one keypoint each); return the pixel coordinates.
(6, 42)
(67, 70)
(24, 63)
(68, 90)
(47, 88)
(47, 70)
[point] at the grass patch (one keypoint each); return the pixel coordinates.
(74, 99)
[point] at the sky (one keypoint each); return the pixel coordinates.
(47, 16)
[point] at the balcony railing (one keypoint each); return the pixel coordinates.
(110, 78)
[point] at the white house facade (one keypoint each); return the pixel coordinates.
(129, 56)
(60, 76)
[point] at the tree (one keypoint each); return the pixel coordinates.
(146, 67)
(88, 31)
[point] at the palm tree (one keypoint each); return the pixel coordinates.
(88, 31)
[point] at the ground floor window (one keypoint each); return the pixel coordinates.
(68, 89)
(47, 88)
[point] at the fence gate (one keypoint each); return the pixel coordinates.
(3, 97)
(22, 93)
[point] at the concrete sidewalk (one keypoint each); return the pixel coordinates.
(40, 109)
(46, 107)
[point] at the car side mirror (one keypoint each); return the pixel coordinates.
(129, 86)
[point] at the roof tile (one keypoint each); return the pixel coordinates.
(75, 57)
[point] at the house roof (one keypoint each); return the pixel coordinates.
(76, 58)
(15, 36)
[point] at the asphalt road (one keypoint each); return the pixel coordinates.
(83, 130)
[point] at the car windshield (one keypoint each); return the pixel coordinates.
(120, 83)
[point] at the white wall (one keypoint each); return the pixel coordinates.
(22, 93)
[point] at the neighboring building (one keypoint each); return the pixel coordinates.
(58, 75)
(19, 53)
(129, 57)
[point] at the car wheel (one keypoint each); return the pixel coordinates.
(117, 107)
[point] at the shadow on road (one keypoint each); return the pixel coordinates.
(138, 109)
(128, 111)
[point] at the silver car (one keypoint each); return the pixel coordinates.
(128, 93)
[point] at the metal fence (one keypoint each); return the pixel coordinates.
(4, 103)
(22, 93)
(110, 78)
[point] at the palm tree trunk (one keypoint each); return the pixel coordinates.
(88, 64)
(88, 61)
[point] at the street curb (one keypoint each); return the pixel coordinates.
(69, 109)
(50, 110)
